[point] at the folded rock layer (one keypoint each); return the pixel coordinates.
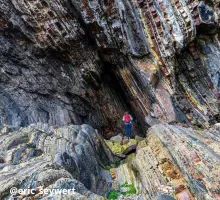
(87, 62)
(41, 156)
(81, 61)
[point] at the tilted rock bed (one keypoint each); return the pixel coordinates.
(172, 163)
(40, 155)
(84, 61)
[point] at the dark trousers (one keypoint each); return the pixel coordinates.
(128, 127)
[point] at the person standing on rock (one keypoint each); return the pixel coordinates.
(127, 118)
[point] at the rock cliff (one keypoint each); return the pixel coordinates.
(73, 62)
(180, 162)
(76, 61)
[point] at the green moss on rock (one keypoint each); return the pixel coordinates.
(113, 195)
(130, 189)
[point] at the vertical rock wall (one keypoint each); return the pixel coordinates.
(81, 61)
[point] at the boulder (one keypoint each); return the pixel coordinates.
(122, 148)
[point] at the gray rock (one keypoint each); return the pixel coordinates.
(36, 158)
(81, 192)
(217, 126)
(164, 197)
(151, 120)
(117, 138)
(68, 70)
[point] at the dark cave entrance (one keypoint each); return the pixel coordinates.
(109, 78)
(113, 81)
(109, 81)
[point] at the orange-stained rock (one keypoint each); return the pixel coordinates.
(168, 161)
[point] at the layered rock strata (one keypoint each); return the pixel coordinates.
(173, 162)
(180, 162)
(63, 158)
(89, 61)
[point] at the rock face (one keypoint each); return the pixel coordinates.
(87, 62)
(81, 61)
(50, 71)
(180, 162)
(41, 156)
(172, 163)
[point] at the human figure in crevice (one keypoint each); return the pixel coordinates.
(127, 118)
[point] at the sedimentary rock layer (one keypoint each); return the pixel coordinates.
(66, 62)
(41, 156)
(180, 162)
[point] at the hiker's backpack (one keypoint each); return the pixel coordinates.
(127, 118)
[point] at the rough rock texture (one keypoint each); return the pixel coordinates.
(50, 72)
(180, 162)
(40, 155)
(66, 183)
(87, 61)
(172, 163)
(125, 174)
(82, 61)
